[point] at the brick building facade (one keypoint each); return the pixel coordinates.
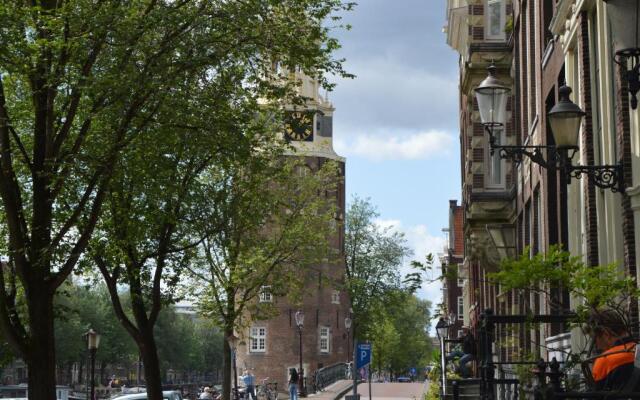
(451, 263)
(546, 44)
(270, 347)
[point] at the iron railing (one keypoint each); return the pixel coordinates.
(329, 375)
(549, 376)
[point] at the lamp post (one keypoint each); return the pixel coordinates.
(442, 330)
(347, 326)
(300, 323)
(565, 119)
(93, 341)
(624, 19)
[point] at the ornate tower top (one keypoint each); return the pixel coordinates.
(310, 127)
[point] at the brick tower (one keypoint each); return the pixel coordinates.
(270, 347)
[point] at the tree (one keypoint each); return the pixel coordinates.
(399, 334)
(273, 218)
(80, 82)
(593, 288)
(78, 308)
(374, 255)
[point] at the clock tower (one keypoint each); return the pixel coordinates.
(269, 348)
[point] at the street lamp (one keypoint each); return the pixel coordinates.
(93, 341)
(624, 19)
(442, 330)
(300, 323)
(565, 119)
(347, 326)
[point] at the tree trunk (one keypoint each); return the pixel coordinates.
(41, 358)
(227, 370)
(152, 374)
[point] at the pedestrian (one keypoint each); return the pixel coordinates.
(206, 394)
(613, 369)
(469, 352)
(293, 384)
(250, 383)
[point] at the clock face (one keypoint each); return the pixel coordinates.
(298, 125)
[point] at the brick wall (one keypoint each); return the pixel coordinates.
(623, 130)
(586, 146)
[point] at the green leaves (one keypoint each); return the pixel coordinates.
(596, 287)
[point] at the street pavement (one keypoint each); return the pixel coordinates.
(393, 391)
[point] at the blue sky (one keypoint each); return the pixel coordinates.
(397, 122)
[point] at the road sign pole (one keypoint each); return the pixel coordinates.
(369, 368)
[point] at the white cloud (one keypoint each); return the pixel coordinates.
(408, 147)
(422, 243)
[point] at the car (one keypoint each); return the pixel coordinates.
(166, 395)
(404, 379)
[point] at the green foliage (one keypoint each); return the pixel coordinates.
(273, 217)
(374, 256)
(399, 333)
(603, 286)
(80, 308)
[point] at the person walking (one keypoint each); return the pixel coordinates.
(293, 384)
(250, 383)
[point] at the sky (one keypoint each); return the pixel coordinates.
(397, 121)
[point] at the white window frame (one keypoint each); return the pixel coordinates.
(460, 307)
(460, 282)
(258, 343)
(265, 294)
(335, 297)
(500, 139)
(324, 339)
(501, 36)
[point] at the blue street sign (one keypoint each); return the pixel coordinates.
(364, 355)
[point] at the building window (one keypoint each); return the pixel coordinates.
(460, 282)
(460, 307)
(325, 339)
(335, 297)
(265, 294)
(258, 339)
(495, 19)
(496, 169)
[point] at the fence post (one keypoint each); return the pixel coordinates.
(487, 368)
(541, 378)
(482, 337)
(455, 389)
(554, 375)
(490, 367)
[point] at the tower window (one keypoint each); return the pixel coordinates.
(325, 339)
(335, 297)
(258, 339)
(265, 295)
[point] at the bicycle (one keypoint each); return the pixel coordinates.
(267, 390)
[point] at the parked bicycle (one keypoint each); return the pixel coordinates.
(267, 390)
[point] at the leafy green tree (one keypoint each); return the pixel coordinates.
(411, 319)
(593, 288)
(80, 307)
(6, 355)
(374, 255)
(80, 83)
(399, 334)
(273, 217)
